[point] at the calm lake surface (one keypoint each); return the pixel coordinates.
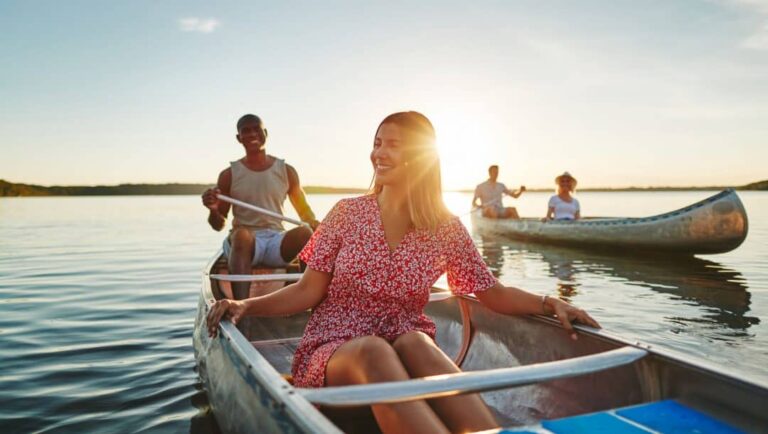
(98, 298)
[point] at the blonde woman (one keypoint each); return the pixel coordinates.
(370, 267)
(563, 206)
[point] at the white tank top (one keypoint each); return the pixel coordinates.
(266, 189)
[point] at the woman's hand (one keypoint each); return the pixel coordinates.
(232, 310)
(568, 313)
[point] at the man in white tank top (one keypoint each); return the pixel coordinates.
(264, 181)
(490, 194)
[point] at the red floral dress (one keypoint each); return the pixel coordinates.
(376, 291)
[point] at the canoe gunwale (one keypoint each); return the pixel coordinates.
(668, 355)
(665, 354)
(301, 413)
(470, 382)
(288, 277)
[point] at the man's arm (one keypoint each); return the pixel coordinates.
(218, 209)
(298, 198)
(516, 193)
(474, 199)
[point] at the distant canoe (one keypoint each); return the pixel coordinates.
(717, 224)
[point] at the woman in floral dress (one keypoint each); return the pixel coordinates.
(370, 267)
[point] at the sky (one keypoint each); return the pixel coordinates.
(620, 93)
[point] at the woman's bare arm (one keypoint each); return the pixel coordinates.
(513, 301)
(307, 293)
(550, 213)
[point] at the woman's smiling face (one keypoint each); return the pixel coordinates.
(565, 184)
(388, 156)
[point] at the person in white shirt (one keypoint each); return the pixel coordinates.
(490, 194)
(563, 206)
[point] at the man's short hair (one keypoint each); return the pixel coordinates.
(247, 118)
(492, 167)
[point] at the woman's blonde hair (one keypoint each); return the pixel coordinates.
(425, 192)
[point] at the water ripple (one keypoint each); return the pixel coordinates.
(96, 311)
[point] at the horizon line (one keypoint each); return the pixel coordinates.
(348, 188)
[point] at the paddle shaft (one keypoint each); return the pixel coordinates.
(485, 204)
(266, 212)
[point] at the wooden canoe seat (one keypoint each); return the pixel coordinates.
(221, 265)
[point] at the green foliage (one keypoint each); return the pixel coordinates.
(760, 185)
(11, 189)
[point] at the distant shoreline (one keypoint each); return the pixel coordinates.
(755, 186)
(9, 189)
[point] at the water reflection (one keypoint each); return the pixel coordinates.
(204, 421)
(493, 253)
(721, 291)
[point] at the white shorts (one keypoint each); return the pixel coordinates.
(266, 248)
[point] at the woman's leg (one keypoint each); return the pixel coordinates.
(372, 359)
(422, 358)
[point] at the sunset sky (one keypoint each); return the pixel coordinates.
(619, 93)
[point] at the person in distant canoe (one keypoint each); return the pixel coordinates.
(370, 266)
(265, 181)
(563, 206)
(490, 194)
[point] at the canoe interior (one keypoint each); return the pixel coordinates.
(506, 341)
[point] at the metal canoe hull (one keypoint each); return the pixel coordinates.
(717, 224)
(245, 392)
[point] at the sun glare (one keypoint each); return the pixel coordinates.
(465, 146)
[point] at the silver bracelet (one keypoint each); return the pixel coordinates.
(544, 304)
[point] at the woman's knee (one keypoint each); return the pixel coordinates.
(412, 341)
(367, 359)
(372, 350)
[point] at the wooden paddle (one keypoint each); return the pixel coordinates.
(261, 210)
(474, 208)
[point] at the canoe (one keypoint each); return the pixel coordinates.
(717, 224)
(530, 373)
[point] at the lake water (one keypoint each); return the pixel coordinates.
(98, 297)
